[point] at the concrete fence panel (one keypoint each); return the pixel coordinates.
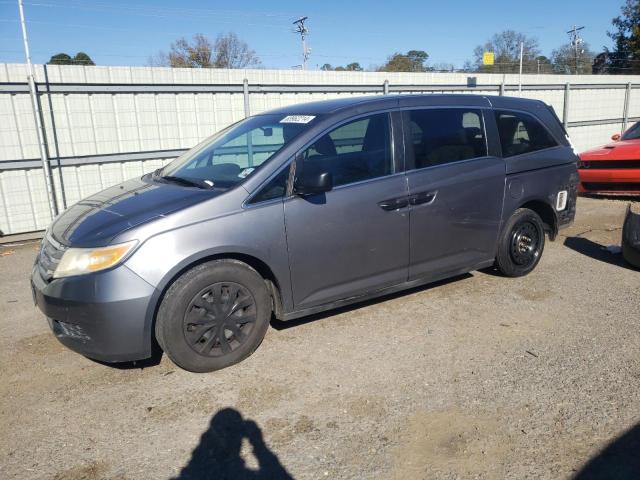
(106, 124)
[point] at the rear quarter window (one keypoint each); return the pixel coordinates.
(521, 133)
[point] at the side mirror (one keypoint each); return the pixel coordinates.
(615, 137)
(313, 183)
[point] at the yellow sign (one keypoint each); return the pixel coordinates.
(487, 58)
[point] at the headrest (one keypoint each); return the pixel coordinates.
(325, 146)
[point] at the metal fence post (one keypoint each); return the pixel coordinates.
(245, 94)
(502, 89)
(565, 106)
(54, 132)
(385, 87)
(625, 111)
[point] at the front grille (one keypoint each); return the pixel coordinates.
(49, 257)
(609, 164)
(612, 187)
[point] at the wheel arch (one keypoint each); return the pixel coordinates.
(274, 285)
(546, 213)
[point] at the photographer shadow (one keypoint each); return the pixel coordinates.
(217, 456)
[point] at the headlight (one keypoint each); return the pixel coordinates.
(77, 261)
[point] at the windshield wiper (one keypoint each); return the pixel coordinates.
(191, 182)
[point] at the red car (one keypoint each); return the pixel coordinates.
(613, 168)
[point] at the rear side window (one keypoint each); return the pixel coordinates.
(521, 133)
(356, 151)
(445, 135)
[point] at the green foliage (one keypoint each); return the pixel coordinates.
(625, 56)
(81, 58)
(351, 67)
(412, 61)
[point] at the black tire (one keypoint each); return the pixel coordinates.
(521, 243)
(213, 316)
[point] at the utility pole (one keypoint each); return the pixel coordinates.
(520, 76)
(302, 30)
(576, 42)
(46, 167)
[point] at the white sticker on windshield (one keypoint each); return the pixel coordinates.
(245, 173)
(297, 119)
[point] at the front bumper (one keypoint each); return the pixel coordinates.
(100, 315)
(609, 180)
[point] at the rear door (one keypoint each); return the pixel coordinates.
(353, 239)
(455, 189)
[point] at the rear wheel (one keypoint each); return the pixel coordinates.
(521, 243)
(213, 316)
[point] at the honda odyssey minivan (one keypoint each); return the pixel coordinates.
(300, 210)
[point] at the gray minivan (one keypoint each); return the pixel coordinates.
(300, 210)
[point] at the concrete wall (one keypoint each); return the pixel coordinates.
(88, 124)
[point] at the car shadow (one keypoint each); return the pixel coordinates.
(284, 324)
(217, 455)
(620, 460)
(153, 361)
(596, 251)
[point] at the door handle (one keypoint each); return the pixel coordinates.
(394, 204)
(422, 198)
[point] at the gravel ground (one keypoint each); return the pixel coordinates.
(477, 377)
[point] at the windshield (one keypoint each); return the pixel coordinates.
(235, 153)
(633, 133)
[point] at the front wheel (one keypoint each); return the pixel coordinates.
(213, 316)
(521, 243)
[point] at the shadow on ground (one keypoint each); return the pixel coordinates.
(596, 251)
(152, 361)
(283, 325)
(620, 460)
(217, 456)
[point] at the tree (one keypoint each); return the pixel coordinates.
(543, 65)
(80, 58)
(506, 49)
(195, 54)
(563, 59)
(228, 51)
(625, 57)
(352, 67)
(412, 61)
(60, 59)
(442, 67)
(231, 52)
(601, 63)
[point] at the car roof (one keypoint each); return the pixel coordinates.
(379, 102)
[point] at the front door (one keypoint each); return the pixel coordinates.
(353, 239)
(455, 191)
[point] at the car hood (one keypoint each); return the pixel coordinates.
(96, 220)
(620, 150)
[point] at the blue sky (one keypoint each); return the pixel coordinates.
(127, 33)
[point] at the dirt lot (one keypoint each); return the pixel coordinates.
(477, 377)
